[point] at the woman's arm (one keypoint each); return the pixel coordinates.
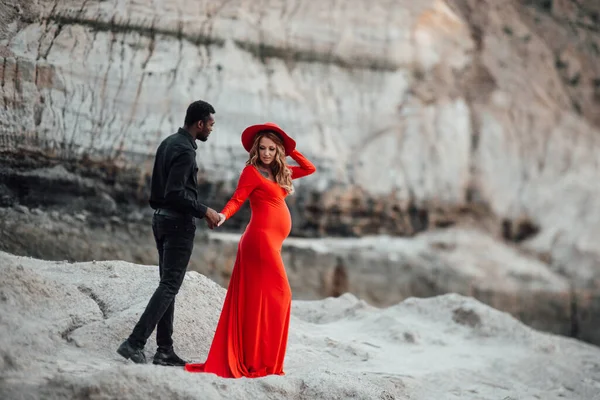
(246, 184)
(305, 167)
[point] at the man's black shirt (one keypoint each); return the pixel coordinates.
(174, 177)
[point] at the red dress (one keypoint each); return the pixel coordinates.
(251, 336)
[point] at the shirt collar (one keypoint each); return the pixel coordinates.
(189, 136)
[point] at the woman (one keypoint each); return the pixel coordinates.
(252, 333)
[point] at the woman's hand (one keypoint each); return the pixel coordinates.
(221, 219)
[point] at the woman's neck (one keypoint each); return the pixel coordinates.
(265, 167)
(266, 171)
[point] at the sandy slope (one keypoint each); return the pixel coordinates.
(60, 324)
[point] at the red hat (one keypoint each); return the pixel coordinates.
(250, 133)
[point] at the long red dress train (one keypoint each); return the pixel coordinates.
(252, 333)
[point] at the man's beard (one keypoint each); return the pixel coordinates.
(203, 137)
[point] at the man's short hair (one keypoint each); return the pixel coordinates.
(198, 111)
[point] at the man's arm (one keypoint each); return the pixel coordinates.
(182, 167)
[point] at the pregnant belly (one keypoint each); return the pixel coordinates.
(275, 221)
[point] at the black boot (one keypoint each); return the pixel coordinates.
(132, 353)
(168, 359)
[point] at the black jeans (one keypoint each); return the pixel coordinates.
(175, 241)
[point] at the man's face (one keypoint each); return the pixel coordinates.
(205, 128)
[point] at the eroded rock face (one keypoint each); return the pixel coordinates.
(442, 107)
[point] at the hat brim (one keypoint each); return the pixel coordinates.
(250, 133)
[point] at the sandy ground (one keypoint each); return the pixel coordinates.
(60, 324)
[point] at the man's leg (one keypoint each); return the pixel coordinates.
(177, 250)
(177, 245)
(131, 349)
(173, 250)
(164, 329)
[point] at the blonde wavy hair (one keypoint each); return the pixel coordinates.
(279, 166)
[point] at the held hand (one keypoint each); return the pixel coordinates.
(221, 219)
(212, 218)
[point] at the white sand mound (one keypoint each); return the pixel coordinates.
(61, 323)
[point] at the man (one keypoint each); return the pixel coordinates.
(174, 197)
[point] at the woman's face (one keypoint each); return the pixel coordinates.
(267, 150)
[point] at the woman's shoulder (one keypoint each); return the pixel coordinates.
(249, 168)
(249, 171)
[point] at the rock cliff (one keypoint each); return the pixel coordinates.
(413, 112)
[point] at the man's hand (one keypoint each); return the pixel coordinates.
(212, 218)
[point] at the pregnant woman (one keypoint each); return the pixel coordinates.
(251, 336)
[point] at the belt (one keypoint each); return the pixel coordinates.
(170, 213)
